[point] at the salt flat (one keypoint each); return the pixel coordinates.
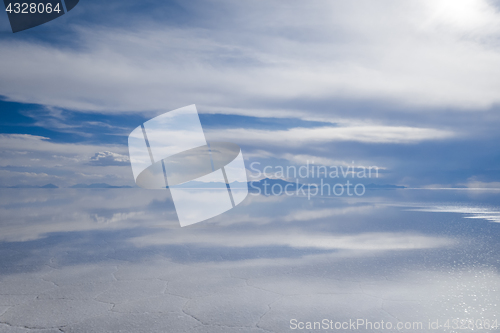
(101, 261)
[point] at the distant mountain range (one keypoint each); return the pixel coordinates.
(197, 184)
(253, 186)
(211, 185)
(49, 186)
(98, 185)
(383, 187)
(261, 184)
(33, 186)
(293, 185)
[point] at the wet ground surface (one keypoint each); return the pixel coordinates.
(116, 260)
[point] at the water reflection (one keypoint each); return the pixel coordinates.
(390, 255)
(491, 214)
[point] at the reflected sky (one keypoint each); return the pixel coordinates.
(119, 257)
(410, 88)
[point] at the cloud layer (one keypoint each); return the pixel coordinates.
(408, 86)
(417, 53)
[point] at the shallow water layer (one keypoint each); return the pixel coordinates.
(104, 260)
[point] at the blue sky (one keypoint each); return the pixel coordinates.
(412, 87)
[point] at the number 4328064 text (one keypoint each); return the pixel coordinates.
(32, 8)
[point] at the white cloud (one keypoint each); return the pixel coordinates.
(473, 182)
(426, 53)
(308, 136)
(107, 158)
(43, 161)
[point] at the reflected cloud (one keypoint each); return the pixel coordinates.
(320, 224)
(299, 239)
(33, 214)
(121, 253)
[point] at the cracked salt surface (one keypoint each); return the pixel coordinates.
(53, 313)
(13, 329)
(64, 270)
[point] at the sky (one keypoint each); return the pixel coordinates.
(412, 87)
